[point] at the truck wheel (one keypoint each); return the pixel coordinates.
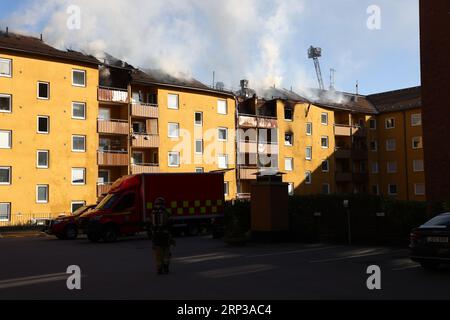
(71, 232)
(193, 230)
(94, 236)
(110, 233)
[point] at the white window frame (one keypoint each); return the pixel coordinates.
(37, 159)
(386, 121)
(226, 134)
(416, 116)
(48, 90)
(226, 161)
(84, 177)
(46, 194)
(286, 143)
(389, 190)
(9, 61)
(286, 161)
(195, 146)
(376, 146)
(168, 101)
(169, 131)
(199, 170)
(109, 176)
(9, 132)
(308, 177)
(415, 165)
(218, 106)
(79, 136)
(328, 165)
(310, 126)
(415, 189)
(9, 176)
(327, 139)
(84, 76)
(420, 141)
(374, 121)
(48, 125)
(8, 211)
(84, 106)
(132, 158)
(376, 165)
(226, 188)
(326, 115)
(328, 188)
(83, 203)
(388, 147)
(4, 95)
(387, 167)
(195, 120)
(168, 159)
(310, 153)
(292, 114)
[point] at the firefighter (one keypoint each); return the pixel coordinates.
(161, 236)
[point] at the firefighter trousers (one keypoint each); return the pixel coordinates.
(162, 256)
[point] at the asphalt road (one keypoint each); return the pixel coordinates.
(202, 268)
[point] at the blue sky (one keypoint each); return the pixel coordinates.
(265, 41)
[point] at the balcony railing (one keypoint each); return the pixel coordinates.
(103, 188)
(262, 148)
(248, 173)
(343, 176)
(146, 110)
(113, 95)
(342, 153)
(346, 130)
(145, 140)
(113, 126)
(112, 158)
(252, 121)
(144, 168)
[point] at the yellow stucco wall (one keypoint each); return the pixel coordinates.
(27, 71)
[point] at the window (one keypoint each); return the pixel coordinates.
(375, 168)
(223, 134)
(174, 159)
(42, 159)
(78, 176)
(288, 114)
(309, 128)
(308, 153)
(43, 124)
(308, 177)
(325, 166)
(391, 145)
(417, 143)
(75, 205)
(222, 107)
(79, 78)
(79, 143)
(373, 145)
(419, 189)
(324, 118)
(226, 188)
(198, 119)
(392, 189)
(104, 114)
(390, 123)
(43, 90)
(326, 188)
(42, 193)
(5, 139)
(5, 103)
(199, 170)
(103, 177)
(172, 101)
(127, 202)
(222, 161)
(78, 110)
(392, 167)
(5, 68)
(288, 139)
(288, 164)
(137, 157)
(5, 175)
(291, 188)
(375, 189)
(372, 124)
(324, 142)
(5, 211)
(199, 146)
(138, 127)
(418, 165)
(174, 130)
(416, 119)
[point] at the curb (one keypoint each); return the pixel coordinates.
(13, 235)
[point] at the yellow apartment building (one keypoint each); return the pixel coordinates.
(48, 140)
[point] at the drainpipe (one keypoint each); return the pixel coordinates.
(236, 146)
(405, 145)
(129, 128)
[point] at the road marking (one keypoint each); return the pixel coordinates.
(291, 252)
(362, 255)
(206, 257)
(237, 271)
(26, 281)
(413, 266)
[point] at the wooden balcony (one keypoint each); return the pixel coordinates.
(103, 188)
(145, 140)
(261, 148)
(248, 173)
(250, 121)
(112, 158)
(342, 130)
(112, 95)
(343, 177)
(113, 126)
(144, 168)
(145, 110)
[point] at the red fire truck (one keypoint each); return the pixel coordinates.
(195, 201)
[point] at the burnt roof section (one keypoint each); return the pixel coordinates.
(397, 100)
(31, 45)
(283, 94)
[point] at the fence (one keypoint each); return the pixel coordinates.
(26, 220)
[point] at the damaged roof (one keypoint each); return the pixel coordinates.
(284, 94)
(397, 100)
(27, 44)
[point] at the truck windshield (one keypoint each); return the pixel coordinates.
(108, 201)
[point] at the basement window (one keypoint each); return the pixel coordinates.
(43, 90)
(5, 103)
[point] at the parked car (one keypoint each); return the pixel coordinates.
(66, 227)
(430, 243)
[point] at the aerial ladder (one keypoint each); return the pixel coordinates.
(315, 53)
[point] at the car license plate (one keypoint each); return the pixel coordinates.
(438, 239)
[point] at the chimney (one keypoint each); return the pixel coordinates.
(41, 36)
(357, 91)
(244, 88)
(7, 31)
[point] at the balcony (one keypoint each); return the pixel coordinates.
(248, 173)
(343, 177)
(360, 154)
(342, 130)
(261, 148)
(360, 132)
(112, 158)
(144, 168)
(145, 140)
(145, 110)
(112, 95)
(113, 126)
(251, 121)
(342, 153)
(103, 188)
